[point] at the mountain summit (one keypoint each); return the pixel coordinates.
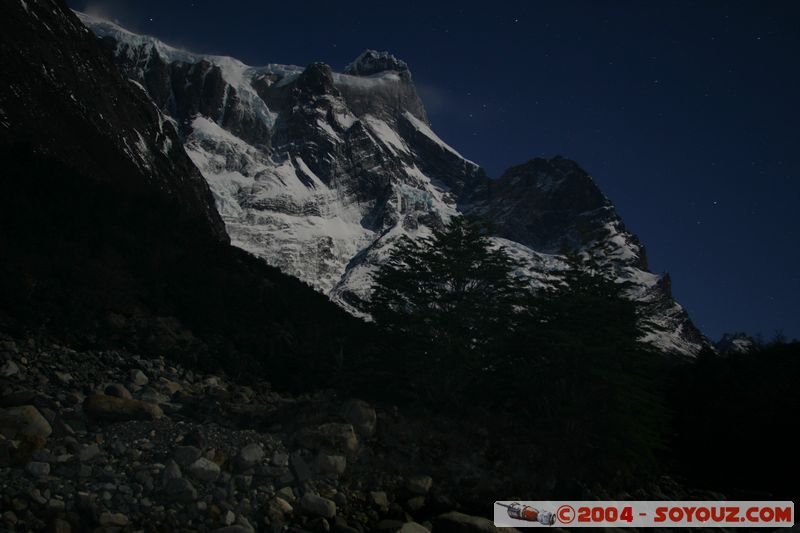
(372, 62)
(319, 172)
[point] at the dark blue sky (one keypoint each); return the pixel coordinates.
(686, 113)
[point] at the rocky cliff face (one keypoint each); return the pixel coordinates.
(55, 80)
(318, 172)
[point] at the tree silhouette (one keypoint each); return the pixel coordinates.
(450, 296)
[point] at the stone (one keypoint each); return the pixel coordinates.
(413, 527)
(388, 524)
(24, 421)
(204, 470)
(416, 503)
(118, 390)
(180, 490)
(419, 484)
(242, 482)
(300, 467)
(113, 409)
(62, 428)
(138, 378)
(362, 416)
(11, 346)
(171, 471)
(282, 505)
(38, 469)
(319, 525)
(195, 438)
(280, 459)
(317, 505)
(379, 499)
(171, 386)
(58, 525)
(331, 464)
(340, 525)
(250, 455)
(113, 520)
(8, 449)
(333, 435)
(233, 529)
(455, 522)
(286, 493)
(63, 377)
(151, 395)
(88, 453)
(9, 368)
(55, 505)
(245, 523)
(186, 455)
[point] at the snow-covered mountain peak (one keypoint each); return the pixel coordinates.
(373, 62)
(320, 172)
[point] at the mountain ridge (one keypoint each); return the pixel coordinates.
(326, 169)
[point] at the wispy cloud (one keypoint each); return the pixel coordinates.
(437, 100)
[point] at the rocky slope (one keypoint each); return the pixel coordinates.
(111, 441)
(317, 172)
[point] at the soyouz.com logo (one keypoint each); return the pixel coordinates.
(644, 514)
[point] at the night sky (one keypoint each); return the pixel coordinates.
(685, 113)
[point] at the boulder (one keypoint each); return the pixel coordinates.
(331, 464)
(9, 369)
(333, 435)
(250, 455)
(415, 504)
(419, 484)
(318, 506)
(118, 390)
(388, 525)
(171, 386)
(280, 459)
(24, 421)
(38, 469)
(413, 527)
(58, 525)
(113, 520)
(204, 470)
(151, 395)
(113, 409)
(180, 490)
(300, 467)
(379, 499)
(186, 455)
(138, 378)
(171, 471)
(362, 416)
(88, 453)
